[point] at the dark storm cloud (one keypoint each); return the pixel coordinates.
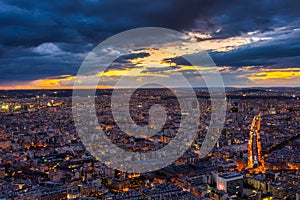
(128, 57)
(177, 60)
(31, 68)
(123, 62)
(90, 21)
(281, 49)
(246, 16)
(272, 54)
(285, 52)
(76, 26)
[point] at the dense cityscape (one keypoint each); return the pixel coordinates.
(256, 156)
(149, 100)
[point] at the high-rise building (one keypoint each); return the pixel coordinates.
(231, 183)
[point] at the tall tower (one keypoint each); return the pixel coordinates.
(255, 160)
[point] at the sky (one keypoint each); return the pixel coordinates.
(252, 43)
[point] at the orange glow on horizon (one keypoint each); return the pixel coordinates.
(258, 76)
(287, 73)
(61, 82)
(135, 72)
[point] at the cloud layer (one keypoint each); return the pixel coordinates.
(44, 39)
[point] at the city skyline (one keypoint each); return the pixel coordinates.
(149, 100)
(256, 154)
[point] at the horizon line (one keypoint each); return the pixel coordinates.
(111, 88)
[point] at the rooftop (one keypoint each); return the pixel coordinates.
(229, 175)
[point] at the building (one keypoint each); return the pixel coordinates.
(2, 172)
(231, 183)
